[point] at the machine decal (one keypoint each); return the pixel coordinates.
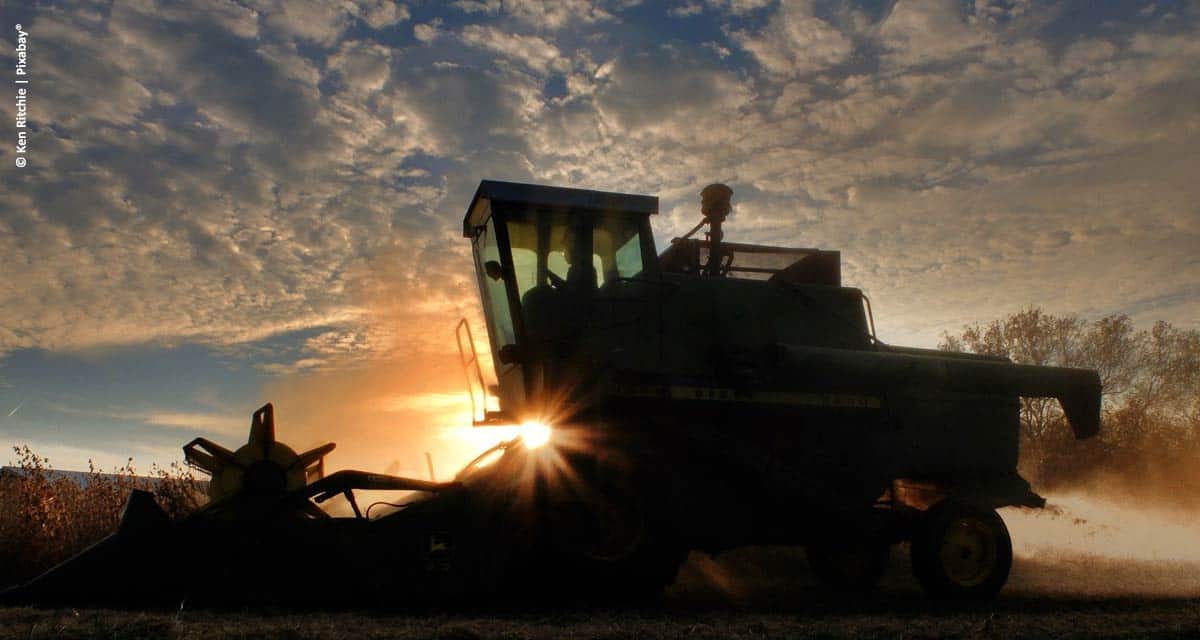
(718, 394)
(439, 551)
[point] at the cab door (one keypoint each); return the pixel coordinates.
(494, 268)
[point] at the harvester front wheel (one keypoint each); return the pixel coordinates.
(849, 565)
(961, 551)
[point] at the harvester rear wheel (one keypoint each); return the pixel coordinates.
(961, 551)
(849, 565)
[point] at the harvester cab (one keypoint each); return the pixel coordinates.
(545, 258)
(581, 311)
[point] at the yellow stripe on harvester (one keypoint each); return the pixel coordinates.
(716, 394)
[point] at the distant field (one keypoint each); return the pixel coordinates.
(765, 593)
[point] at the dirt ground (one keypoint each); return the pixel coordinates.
(754, 593)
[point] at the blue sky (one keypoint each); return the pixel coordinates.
(233, 202)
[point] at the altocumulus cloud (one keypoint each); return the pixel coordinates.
(221, 173)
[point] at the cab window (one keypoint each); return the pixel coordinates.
(495, 295)
(523, 238)
(617, 246)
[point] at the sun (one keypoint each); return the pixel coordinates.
(534, 434)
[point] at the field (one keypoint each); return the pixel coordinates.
(756, 593)
(1085, 567)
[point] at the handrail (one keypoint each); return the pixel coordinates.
(467, 362)
(870, 316)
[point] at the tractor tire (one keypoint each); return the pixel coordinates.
(961, 551)
(853, 566)
(610, 549)
(638, 577)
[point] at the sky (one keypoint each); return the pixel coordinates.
(230, 202)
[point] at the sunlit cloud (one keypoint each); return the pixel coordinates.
(196, 421)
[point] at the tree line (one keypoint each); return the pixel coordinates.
(1149, 441)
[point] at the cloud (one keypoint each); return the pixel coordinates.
(739, 7)
(535, 53)
(196, 421)
(364, 67)
(551, 15)
(225, 173)
(427, 31)
(73, 458)
(220, 204)
(686, 9)
(795, 41)
(310, 20)
(382, 13)
(919, 32)
(210, 422)
(691, 101)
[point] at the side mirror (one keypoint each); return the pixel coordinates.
(493, 270)
(511, 354)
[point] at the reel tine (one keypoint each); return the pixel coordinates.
(262, 428)
(306, 459)
(208, 455)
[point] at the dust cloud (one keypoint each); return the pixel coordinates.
(1128, 527)
(1080, 546)
(1086, 544)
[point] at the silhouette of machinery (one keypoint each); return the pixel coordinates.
(711, 396)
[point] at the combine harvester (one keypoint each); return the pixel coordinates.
(713, 396)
